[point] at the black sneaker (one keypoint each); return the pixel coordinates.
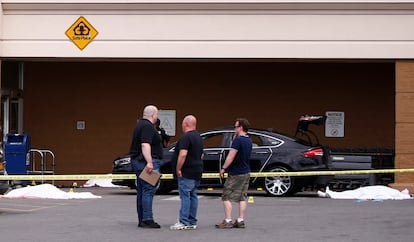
(239, 224)
(149, 224)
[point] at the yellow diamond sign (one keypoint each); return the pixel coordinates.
(81, 33)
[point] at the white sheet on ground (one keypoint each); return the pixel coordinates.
(47, 191)
(378, 192)
(100, 183)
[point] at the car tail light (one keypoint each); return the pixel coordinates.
(313, 152)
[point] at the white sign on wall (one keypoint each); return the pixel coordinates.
(167, 121)
(334, 125)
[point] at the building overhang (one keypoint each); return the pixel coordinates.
(261, 29)
(130, 5)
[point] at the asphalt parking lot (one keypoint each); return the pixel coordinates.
(112, 217)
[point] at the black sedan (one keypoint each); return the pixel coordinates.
(272, 152)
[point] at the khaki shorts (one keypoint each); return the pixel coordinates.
(235, 188)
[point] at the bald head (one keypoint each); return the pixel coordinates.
(150, 113)
(189, 123)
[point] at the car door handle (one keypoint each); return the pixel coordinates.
(262, 152)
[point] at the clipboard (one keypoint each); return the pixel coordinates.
(152, 178)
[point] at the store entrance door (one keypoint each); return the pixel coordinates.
(11, 112)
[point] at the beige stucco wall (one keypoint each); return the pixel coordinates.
(211, 29)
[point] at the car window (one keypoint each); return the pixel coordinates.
(270, 141)
(256, 140)
(263, 140)
(213, 140)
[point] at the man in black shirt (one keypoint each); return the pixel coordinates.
(164, 136)
(146, 155)
(188, 169)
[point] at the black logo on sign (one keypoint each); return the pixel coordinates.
(81, 32)
(81, 29)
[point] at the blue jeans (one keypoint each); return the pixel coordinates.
(187, 189)
(145, 191)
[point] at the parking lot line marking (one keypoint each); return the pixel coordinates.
(28, 205)
(177, 198)
(289, 200)
(174, 198)
(23, 207)
(20, 209)
(42, 203)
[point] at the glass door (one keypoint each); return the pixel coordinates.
(11, 112)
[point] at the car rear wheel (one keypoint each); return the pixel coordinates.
(278, 186)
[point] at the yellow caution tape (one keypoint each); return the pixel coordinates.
(205, 175)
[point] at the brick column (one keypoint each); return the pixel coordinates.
(404, 124)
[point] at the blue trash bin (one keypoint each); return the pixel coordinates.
(16, 147)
